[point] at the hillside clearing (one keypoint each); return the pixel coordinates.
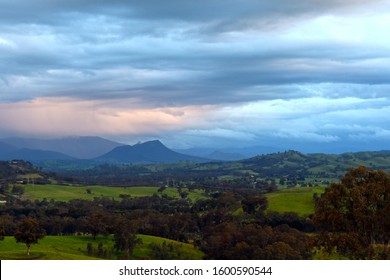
(298, 200)
(66, 192)
(75, 248)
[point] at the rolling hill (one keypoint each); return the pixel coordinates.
(295, 163)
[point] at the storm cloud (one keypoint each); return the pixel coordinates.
(233, 69)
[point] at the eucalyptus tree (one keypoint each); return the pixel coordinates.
(29, 232)
(354, 214)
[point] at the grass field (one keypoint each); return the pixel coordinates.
(299, 200)
(66, 193)
(75, 248)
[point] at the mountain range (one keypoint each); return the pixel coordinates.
(230, 153)
(56, 155)
(87, 147)
(96, 150)
(90, 149)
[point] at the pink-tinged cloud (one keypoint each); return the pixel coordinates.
(64, 116)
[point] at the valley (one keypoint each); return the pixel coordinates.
(181, 209)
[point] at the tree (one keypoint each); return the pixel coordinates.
(354, 214)
(183, 194)
(89, 249)
(17, 190)
(241, 241)
(125, 238)
(7, 224)
(2, 230)
(250, 204)
(96, 223)
(4, 187)
(166, 251)
(29, 232)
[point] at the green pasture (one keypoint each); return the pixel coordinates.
(298, 200)
(49, 248)
(196, 195)
(66, 193)
(30, 176)
(188, 251)
(75, 248)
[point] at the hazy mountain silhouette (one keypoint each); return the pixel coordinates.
(86, 147)
(229, 153)
(148, 152)
(6, 149)
(35, 155)
(225, 156)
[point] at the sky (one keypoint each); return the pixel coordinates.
(310, 75)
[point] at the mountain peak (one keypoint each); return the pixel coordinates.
(151, 143)
(148, 152)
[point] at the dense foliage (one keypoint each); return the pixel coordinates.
(354, 214)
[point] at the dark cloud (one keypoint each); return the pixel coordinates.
(45, 11)
(308, 75)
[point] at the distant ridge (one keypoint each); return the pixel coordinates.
(83, 147)
(10, 152)
(35, 155)
(224, 156)
(6, 148)
(89, 150)
(230, 153)
(148, 152)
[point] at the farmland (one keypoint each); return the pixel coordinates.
(299, 200)
(68, 192)
(75, 248)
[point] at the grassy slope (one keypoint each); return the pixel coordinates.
(188, 250)
(299, 200)
(75, 248)
(49, 248)
(66, 193)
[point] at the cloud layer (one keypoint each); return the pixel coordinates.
(246, 72)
